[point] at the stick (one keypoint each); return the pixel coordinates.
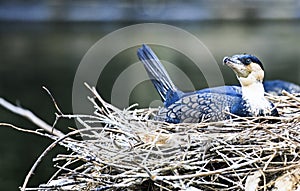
(290, 96)
(31, 116)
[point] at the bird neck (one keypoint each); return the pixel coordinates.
(253, 94)
(254, 90)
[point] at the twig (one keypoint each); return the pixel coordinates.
(24, 130)
(220, 171)
(50, 147)
(126, 149)
(31, 116)
(53, 100)
(290, 95)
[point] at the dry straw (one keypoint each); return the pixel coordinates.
(125, 150)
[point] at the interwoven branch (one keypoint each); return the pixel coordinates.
(126, 150)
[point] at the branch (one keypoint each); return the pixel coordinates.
(31, 116)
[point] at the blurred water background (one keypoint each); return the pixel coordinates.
(43, 42)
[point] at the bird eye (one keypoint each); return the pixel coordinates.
(248, 61)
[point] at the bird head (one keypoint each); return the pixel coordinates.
(248, 68)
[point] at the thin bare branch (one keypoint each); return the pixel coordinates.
(31, 117)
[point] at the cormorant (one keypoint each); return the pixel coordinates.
(210, 104)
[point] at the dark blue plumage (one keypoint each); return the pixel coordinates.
(275, 87)
(159, 76)
(210, 104)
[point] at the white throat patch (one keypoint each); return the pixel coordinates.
(254, 96)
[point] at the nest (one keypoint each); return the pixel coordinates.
(126, 150)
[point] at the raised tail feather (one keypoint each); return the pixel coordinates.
(158, 75)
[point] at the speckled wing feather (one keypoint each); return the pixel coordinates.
(199, 107)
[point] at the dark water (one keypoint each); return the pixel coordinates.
(36, 54)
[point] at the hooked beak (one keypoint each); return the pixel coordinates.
(236, 65)
(230, 61)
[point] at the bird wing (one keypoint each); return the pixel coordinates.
(195, 108)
